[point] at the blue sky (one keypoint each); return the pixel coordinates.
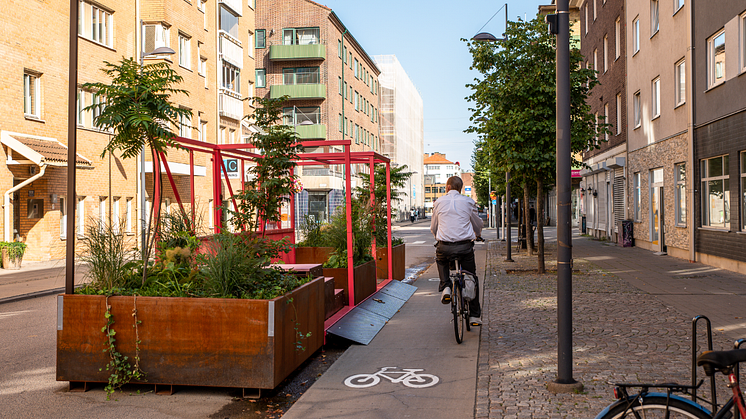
(426, 38)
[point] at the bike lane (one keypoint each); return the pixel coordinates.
(420, 337)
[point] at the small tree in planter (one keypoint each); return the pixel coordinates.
(139, 113)
(12, 254)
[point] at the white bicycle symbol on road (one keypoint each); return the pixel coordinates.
(408, 377)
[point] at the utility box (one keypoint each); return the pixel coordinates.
(625, 237)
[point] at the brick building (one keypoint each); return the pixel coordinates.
(309, 55)
(437, 171)
(719, 41)
(213, 43)
(603, 44)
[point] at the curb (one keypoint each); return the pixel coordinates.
(32, 295)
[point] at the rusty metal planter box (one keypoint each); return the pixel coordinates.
(312, 254)
(365, 279)
(193, 341)
(398, 257)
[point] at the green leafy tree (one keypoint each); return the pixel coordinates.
(398, 177)
(138, 112)
(514, 110)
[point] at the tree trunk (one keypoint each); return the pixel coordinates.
(521, 230)
(527, 218)
(540, 217)
(155, 212)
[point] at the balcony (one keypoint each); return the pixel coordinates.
(230, 106)
(297, 52)
(231, 50)
(321, 171)
(311, 132)
(298, 91)
(235, 5)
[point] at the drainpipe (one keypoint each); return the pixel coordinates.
(691, 97)
(6, 206)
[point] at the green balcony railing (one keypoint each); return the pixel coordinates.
(311, 132)
(298, 91)
(297, 52)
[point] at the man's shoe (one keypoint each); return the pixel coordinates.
(445, 296)
(474, 321)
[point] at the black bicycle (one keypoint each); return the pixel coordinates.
(459, 305)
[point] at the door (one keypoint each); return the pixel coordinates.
(657, 224)
(16, 231)
(317, 206)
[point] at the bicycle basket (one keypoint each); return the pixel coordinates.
(470, 287)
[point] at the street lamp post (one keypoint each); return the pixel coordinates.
(411, 190)
(143, 201)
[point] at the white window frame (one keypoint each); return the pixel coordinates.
(637, 109)
(636, 35)
(637, 191)
(250, 46)
(655, 87)
(705, 180)
(595, 9)
(680, 194)
(742, 29)
(606, 53)
(210, 214)
(595, 60)
(680, 83)
(116, 218)
(95, 24)
(102, 214)
(63, 219)
(32, 99)
(128, 216)
(203, 131)
(678, 5)
(185, 126)
(655, 17)
(586, 18)
(712, 79)
(161, 38)
(185, 51)
(80, 212)
(617, 37)
(606, 120)
(618, 114)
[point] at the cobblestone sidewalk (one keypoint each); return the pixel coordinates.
(620, 334)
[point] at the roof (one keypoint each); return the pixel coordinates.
(41, 150)
(437, 158)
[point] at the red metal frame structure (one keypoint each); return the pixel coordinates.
(239, 151)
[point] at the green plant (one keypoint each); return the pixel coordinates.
(109, 259)
(14, 250)
(398, 177)
(138, 111)
(311, 231)
(335, 234)
(299, 336)
(122, 372)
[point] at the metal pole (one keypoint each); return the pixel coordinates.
(508, 233)
(72, 146)
(143, 201)
(489, 182)
(564, 237)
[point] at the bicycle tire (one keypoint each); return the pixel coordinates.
(457, 303)
(654, 407)
(361, 380)
(421, 380)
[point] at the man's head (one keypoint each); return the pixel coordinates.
(454, 183)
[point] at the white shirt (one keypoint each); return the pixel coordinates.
(455, 218)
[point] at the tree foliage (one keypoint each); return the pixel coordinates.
(398, 177)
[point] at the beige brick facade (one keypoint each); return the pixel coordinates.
(40, 47)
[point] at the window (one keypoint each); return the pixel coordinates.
(250, 44)
(715, 192)
(261, 77)
(102, 214)
(654, 17)
(211, 214)
(357, 101)
(595, 60)
(300, 36)
(31, 95)
(203, 131)
(115, 217)
(344, 55)
(680, 80)
(341, 86)
(221, 140)
(231, 79)
(63, 219)
(595, 125)
(606, 120)
(680, 194)
(636, 36)
(743, 191)
(743, 42)
(298, 115)
(619, 114)
(339, 48)
(595, 8)
(356, 134)
(202, 67)
(204, 11)
(302, 75)
(261, 39)
(637, 193)
(716, 59)
(95, 24)
(156, 36)
(637, 110)
(617, 37)
(229, 22)
(586, 18)
(677, 4)
(128, 216)
(606, 53)
(656, 93)
(345, 90)
(185, 126)
(185, 51)
(357, 69)
(341, 123)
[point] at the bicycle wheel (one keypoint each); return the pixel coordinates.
(457, 307)
(362, 380)
(421, 380)
(654, 407)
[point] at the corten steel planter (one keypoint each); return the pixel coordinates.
(193, 341)
(10, 263)
(382, 262)
(312, 254)
(365, 280)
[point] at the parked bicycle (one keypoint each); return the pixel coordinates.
(665, 403)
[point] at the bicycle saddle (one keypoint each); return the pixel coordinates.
(712, 361)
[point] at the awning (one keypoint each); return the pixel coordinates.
(39, 150)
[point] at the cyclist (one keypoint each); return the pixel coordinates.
(456, 224)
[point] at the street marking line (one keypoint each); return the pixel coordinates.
(419, 242)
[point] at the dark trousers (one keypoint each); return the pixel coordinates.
(444, 254)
